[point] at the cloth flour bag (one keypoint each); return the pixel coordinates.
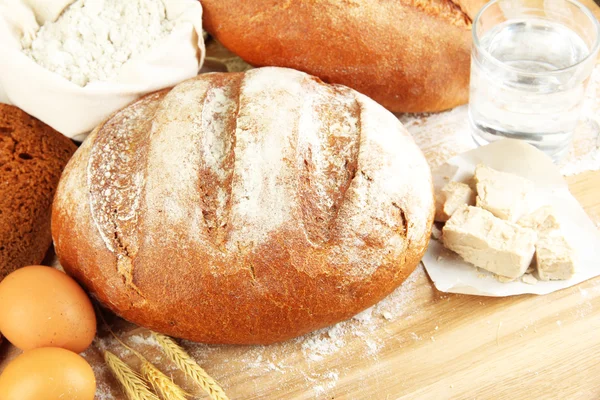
(75, 110)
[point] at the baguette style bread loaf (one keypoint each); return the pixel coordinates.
(408, 55)
(244, 207)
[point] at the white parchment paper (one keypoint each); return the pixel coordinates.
(451, 274)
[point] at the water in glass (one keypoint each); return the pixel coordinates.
(522, 86)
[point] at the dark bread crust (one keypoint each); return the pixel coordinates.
(261, 212)
(32, 157)
(408, 55)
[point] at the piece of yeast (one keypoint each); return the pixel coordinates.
(450, 198)
(488, 242)
(503, 194)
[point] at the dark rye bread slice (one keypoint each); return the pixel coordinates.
(32, 157)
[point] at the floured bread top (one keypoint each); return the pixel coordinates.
(227, 161)
(269, 182)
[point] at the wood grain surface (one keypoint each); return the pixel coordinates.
(417, 344)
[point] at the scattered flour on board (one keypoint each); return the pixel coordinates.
(326, 342)
(361, 336)
(102, 387)
(102, 374)
(143, 340)
(330, 381)
(308, 357)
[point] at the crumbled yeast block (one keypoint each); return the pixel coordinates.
(525, 278)
(530, 270)
(488, 242)
(541, 220)
(555, 258)
(504, 279)
(452, 196)
(502, 194)
(529, 279)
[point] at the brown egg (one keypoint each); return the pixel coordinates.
(48, 373)
(43, 307)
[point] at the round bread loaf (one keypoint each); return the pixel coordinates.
(32, 157)
(244, 207)
(409, 55)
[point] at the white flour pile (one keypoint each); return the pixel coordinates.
(92, 39)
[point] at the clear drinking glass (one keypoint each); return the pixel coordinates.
(530, 65)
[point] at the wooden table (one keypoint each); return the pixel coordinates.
(418, 344)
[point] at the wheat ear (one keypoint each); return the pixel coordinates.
(187, 364)
(135, 387)
(161, 383)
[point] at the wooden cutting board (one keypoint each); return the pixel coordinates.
(418, 343)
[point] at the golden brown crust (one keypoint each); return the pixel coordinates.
(410, 56)
(219, 242)
(32, 156)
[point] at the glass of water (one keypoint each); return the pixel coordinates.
(531, 63)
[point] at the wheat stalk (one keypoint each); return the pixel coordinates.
(135, 387)
(161, 383)
(187, 364)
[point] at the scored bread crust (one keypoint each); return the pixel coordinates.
(408, 55)
(244, 208)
